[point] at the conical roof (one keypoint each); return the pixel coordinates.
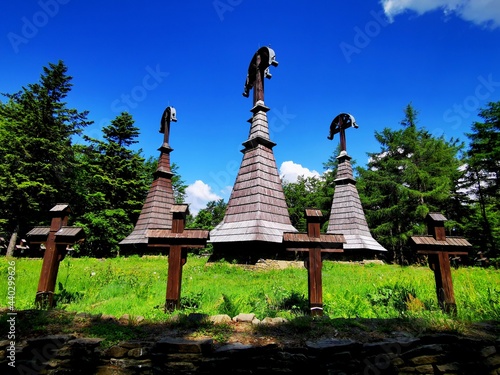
(347, 216)
(256, 209)
(156, 211)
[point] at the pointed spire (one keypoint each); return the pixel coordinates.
(257, 210)
(155, 213)
(347, 216)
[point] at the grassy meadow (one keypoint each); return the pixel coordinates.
(137, 286)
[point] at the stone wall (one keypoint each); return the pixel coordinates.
(428, 354)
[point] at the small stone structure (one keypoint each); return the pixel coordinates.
(426, 354)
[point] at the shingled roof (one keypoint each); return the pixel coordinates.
(347, 216)
(256, 209)
(155, 213)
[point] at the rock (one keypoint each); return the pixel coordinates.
(116, 352)
(244, 318)
(425, 369)
(274, 321)
(489, 350)
(179, 345)
(108, 318)
(255, 321)
(449, 367)
(124, 319)
(220, 319)
(336, 345)
(425, 359)
(233, 347)
(138, 352)
(82, 315)
(139, 319)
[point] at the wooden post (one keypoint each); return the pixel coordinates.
(440, 264)
(56, 238)
(438, 249)
(176, 260)
(178, 240)
(315, 264)
(50, 266)
(314, 243)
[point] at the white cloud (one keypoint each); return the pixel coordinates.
(198, 195)
(481, 12)
(290, 171)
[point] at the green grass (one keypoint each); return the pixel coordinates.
(137, 286)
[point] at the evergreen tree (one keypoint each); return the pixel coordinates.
(413, 174)
(483, 180)
(36, 151)
(113, 182)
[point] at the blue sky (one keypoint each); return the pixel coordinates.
(368, 58)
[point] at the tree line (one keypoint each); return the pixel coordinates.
(105, 181)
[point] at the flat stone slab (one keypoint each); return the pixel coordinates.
(244, 318)
(180, 345)
(335, 345)
(220, 319)
(237, 346)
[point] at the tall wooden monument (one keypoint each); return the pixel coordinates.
(257, 214)
(347, 216)
(155, 213)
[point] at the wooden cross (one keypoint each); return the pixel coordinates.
(178, 240)
(258, 69)
(339, 124)
(57, 237)
(315, 244)
(439, 248)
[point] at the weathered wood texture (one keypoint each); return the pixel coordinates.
(347, 216)
(439, 248)
(56, 238)
(155, 213)
(314, 243)
(177, 240)
(257, 209)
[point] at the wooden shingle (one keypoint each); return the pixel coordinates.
(156, 211)
(257, 209)
(347, 216)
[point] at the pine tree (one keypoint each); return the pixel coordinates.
(112, 183)
(483, 180)
(413, 174)
(36, 151)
